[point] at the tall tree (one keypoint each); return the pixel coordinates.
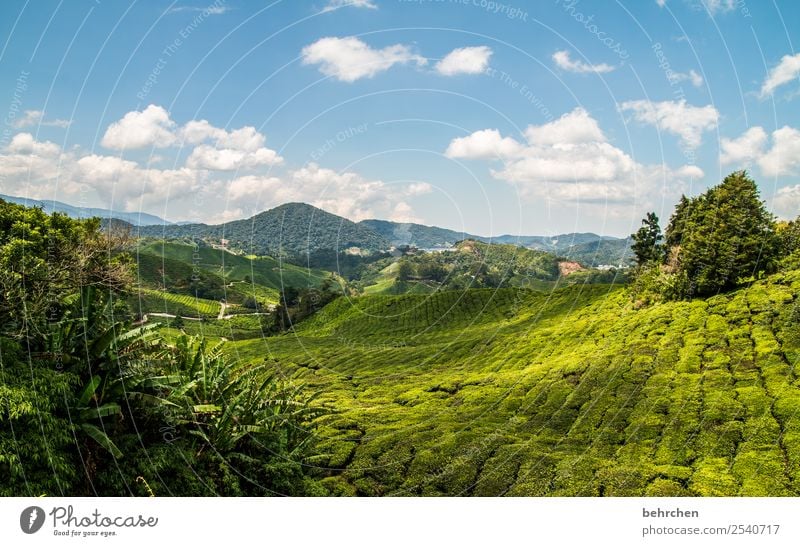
(728, 236)
(677, 222)
(647, 241)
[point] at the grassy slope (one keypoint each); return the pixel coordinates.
(264, 272)
(155, 301)
(572, 392)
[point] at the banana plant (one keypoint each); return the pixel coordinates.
(110, 359)
(232, 409)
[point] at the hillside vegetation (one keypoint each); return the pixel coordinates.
(574, 392)
(474, 264)
(292, 229)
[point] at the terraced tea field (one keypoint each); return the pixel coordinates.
(158, 301)
(569, 392)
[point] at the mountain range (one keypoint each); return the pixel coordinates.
(295, 229)
(133, 218)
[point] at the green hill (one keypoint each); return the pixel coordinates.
(417, 235)
(569, 392)
(473, 264)
(265, 271)
(290, 229)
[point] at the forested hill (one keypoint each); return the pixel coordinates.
(293, 228)
(299, 229)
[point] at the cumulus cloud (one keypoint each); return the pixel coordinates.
(349, 59)
(745, 149)
(336, 4)
(485, 144)
(25, 144)
(232, 150)
(786, 202)
(786, 71)
(572, 128)
(686, 121)
(345, 193)
(693, 77)
(569, 160)
(783, 158)
(214, 149)
(230, 159)
(778, 155)
(564, 62)
(152, 127)
(36, 117)
(31, 167)
(465, 60)
(37, 169)
(197, 131)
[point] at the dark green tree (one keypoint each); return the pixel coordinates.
(728, 236)
(405, 270)
(647, 241)
(674, 232)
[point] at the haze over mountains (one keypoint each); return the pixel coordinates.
(133, 218)
(299, 228)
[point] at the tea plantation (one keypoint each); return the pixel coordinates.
(574, 391)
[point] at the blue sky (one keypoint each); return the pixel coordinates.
(487, 116)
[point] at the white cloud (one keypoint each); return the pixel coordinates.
(786, 202)
(336, 4)
(197, 131)
(150, 127)
(230, 159)
(123, 182)
(246, 139)
(661, 3)
(569, 161)
(780, 158)
(39, 169)
(719, 6)
(784, 156)
(36, 117)
(465, 60)
(25, 144)
(32, 168)
(676, 117)
(786, 71)
(571, 128)
(485, 144)
(677, 77)
(563, 61)
(241, 148)
(349, 59)
(345, 193)
(745, 149)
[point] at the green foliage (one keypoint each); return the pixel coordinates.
(94, 406)
(728, 236)
(714, 243)
(571, 392)
(646, 242)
